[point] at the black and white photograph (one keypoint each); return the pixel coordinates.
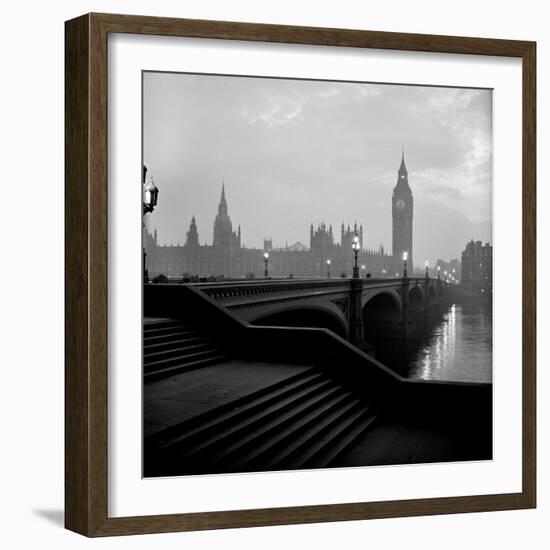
(317, 274)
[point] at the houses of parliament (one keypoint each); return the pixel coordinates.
(324, 256)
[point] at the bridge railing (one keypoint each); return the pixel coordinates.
(252, 289)
(257, 290)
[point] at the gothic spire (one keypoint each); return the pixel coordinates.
(222, 207)
(402, 168)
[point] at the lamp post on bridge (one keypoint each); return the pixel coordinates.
(328, 268)
(405, 256)
(266, 261)
(150, 199)
(356, 287)
(356, 246)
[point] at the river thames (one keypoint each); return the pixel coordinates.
(457, 348)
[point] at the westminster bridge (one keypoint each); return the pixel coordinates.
(359, 310)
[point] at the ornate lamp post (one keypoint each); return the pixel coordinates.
(426, 264)
(150, 199)
(150, 196)
(266, 261)
(328, 268)
(363, 270)
(356, 246)
(356, 287)
(405, 256)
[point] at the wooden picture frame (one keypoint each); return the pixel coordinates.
(86, 282)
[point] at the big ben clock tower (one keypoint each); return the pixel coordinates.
(402, 216)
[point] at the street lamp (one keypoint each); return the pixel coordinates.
(426, 264)
(405, 256)
(356, 246)
(266, 260)
(328, 269)
(150, 199)
(150, 196)
(383, 272)
(363, 270)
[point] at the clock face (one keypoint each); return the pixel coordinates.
(400, 204)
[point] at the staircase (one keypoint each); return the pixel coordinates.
(307, 420)
(174, 346)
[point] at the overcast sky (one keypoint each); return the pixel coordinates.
(294, 152)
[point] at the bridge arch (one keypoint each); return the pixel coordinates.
(416, 298)
(327, 316)
(381, 315)
(381, 298)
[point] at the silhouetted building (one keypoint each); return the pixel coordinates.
(228, 257)
(477, 267)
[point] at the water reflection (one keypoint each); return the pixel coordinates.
(458, 348)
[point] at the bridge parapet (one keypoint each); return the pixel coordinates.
(229, 290)
(235, 293)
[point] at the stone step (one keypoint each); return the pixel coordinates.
(339, 445)
(167, 323)
(182, 358)
(223, 416)
(168, 331)
(167, 343)
(155, 356)
(329, 442)
(311, 437)
(183, 367)
(302, 427)
(221, 439)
